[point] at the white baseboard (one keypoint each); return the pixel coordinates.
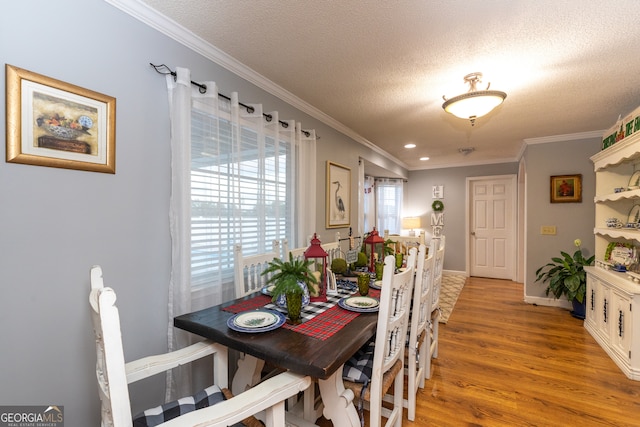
(549, 302)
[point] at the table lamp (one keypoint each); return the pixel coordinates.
(410, 223)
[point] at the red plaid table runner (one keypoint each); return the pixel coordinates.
(326, 324)
(320, 325)
(250, 304)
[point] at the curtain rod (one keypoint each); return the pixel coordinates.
(202, 88)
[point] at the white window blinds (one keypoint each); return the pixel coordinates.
(241, 191)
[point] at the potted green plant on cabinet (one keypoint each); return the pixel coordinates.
(291, 280)
(566, 276)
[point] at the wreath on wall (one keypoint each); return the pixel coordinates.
(437, 206)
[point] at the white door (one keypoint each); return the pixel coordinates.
(492, 226)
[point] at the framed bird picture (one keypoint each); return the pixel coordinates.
(338, 191)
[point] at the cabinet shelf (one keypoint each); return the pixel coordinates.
(623, 195)
(611, 295)
(618, 233)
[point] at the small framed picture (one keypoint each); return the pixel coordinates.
(338, 207)
(57, 124)
(566, 189)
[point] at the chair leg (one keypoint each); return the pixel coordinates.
(275, 415)
(436, 327)
(398, 394)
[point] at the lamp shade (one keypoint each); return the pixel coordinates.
(475, 103)
(411, 222)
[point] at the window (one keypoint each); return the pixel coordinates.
(389, 204)
(241, 192)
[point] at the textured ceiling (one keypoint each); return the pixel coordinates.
(380, 68)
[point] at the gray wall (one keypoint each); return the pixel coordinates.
(419, 200)
(572, 220)
(57, 223)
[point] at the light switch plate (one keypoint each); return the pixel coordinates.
(548, 229)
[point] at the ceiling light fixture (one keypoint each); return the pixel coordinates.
(475, 103)
(410, 145)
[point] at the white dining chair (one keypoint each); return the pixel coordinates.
(248, 279)
(213, 406)
(379, 364)
(419, 341)
(332, 248)
(438, 263)
(404, 243)
(248, 270)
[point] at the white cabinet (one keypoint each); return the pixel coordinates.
(611, 295)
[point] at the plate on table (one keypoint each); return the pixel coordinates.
(256, 321)
(361, 304)
(376, 284)
(268, 290)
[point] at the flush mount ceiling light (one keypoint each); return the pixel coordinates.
(475, 103)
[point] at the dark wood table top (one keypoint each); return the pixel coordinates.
(283, 347)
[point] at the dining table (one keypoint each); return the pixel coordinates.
(329, 334)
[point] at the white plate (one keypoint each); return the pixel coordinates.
(376, 285)
(268, 290)
(251, 321)
(255, 319)
(360, 304)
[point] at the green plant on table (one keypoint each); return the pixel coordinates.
(566, 275)
(286, 276)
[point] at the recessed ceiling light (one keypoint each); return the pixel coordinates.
(410, 146)
(424, 158)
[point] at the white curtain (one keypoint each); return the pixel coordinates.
(361, 200)
(389, 204)
(203, 123)
(305, 200)
(369, 200)
(180, 222)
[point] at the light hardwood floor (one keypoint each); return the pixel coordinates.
(503, 362)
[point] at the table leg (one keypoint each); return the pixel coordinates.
(248, 373)
(338, 402)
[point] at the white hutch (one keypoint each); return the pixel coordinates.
(613, 297)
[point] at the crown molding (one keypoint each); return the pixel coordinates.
(564, 138)
(151, 17)
(467, 164)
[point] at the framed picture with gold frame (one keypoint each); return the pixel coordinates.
(566, 188)
(338, 206)
(57, 124)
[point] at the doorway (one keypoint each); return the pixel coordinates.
(492, 226)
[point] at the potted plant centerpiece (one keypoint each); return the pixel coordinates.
(566, 276)
(291, 280)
